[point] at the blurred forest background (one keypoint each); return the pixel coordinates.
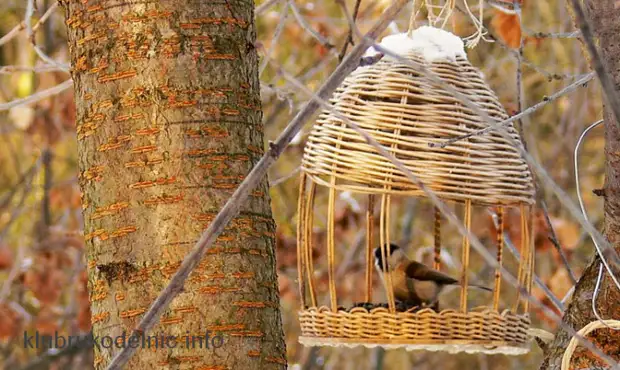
(42, 272)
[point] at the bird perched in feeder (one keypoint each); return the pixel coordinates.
(413, 282)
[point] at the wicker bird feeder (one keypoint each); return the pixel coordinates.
(405, 111)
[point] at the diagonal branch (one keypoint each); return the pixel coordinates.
(496, 125)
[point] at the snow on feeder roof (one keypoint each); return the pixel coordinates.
(431, 43)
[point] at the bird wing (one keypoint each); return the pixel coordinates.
(418, 271)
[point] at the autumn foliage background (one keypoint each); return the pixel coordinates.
(42, 272)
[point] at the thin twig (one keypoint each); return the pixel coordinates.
(551, 35)
(31, 36)
(18, 208)
(274, 39)
(231, 208)
(349, 39)
(282, 179)
(607, 84)
(554, 240)
(22, 25)
(264, 6)
(537, 280)
(519, 79)
(17, 265)
(7, 198)
(306, 27)
(43, 94)
(46, 213)
(5, 70)
(496, 125)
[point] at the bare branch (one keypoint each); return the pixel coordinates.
(5, 70)
(30, 32)
(22, 25)
(550, 35)
(306, 27)
(231, 208)
(282, 179)
(556, 244)
(496, 125)
(276, 36)
(349, 39)
(264, 6)
(37, 96)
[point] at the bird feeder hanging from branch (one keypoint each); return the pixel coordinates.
(404, 111)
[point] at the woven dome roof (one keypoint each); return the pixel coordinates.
(404, 112)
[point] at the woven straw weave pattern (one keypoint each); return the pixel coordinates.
(485, 328)
(405, 112)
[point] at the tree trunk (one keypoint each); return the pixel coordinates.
(604, 15)
(169, 123)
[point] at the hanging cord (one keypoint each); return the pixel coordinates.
(481, 32)
(585, 216)
(414, 15)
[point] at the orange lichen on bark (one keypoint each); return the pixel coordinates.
(248, 333)
(100, 317)
(226, 327)
(132, 313)
(147, 184)
(111, 209)
(248, 304)
(163, 199)
(171, 320)
(217, 290)
(276, 360)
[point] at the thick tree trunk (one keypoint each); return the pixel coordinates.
(604, 15)
(169, 123)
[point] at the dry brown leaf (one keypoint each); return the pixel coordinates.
(508, 28)
(10, 322)
(47, 321)
(6, 257)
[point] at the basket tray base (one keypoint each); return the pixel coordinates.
(412, 345)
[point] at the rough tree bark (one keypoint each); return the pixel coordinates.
(604, 15)
(169, 123)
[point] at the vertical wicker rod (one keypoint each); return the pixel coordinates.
(309, 224)
(369, 245)
(387, 276)
(523, 261)
(331, 248)
(465, 258)
(529, 231)
(301, 264)
(388, 207)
